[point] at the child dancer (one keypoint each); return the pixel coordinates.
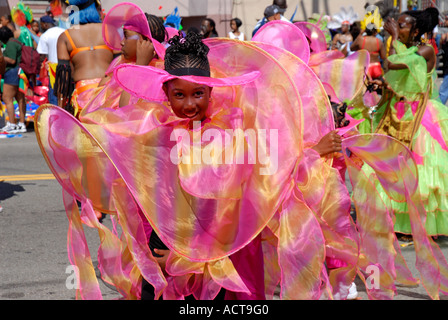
(210, 215)
(190, 101)
(186, 72)
(208, 212)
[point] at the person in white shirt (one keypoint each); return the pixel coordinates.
(235, 24)
(48, 46)
(272, 12)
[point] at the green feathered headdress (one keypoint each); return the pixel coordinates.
(21, 15)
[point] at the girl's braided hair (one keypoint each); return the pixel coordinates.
(187, 53)
(157, 28)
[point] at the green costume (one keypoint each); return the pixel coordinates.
(407, 113)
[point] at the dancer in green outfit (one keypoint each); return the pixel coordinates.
(408, 113)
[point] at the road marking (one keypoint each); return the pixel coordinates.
(28, 177)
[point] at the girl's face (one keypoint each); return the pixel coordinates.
(35, 27)
(129, 44)
(233, 25)
(188, 100)
(405, 26)
(3, 21)
(206, 27)
(276, 16)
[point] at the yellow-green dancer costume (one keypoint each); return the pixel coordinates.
(408, 113)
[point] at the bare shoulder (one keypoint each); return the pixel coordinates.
(62, 38)
(89, 30)
(62, 47)
(426, 51)
(86, 34)
(429, 54)
(91, 27)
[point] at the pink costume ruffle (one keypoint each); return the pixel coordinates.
(318, 42)
(346, 77)
(285, 35)
(204, 249)
(129, 16)
(209, 214)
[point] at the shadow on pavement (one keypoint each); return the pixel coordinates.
(8, 190)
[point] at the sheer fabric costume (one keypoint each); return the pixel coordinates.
(333, 71)
(316, 37)
(410, 113)
(208, 200)
(201, 226)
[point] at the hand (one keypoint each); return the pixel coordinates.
(162, 260)
(330, 143)
(391, 26)
(380, 83)
(375, 84)
(145, 52)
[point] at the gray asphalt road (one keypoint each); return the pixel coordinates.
(33, 228)
(33, 232)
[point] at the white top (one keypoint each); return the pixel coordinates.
(48, 43)
(233, 36)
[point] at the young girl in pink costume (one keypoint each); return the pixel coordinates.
(185, 80)
(214, 215)
(209, 201)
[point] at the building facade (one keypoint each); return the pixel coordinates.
(248, 11)
(221, 11)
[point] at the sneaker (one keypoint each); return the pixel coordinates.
(351, 295)
(9, 128)
(21, 127)
(352, 292)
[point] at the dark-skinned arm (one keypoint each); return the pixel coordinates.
(63, 55)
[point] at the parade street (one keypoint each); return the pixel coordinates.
(33, 242)
(34, 264)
